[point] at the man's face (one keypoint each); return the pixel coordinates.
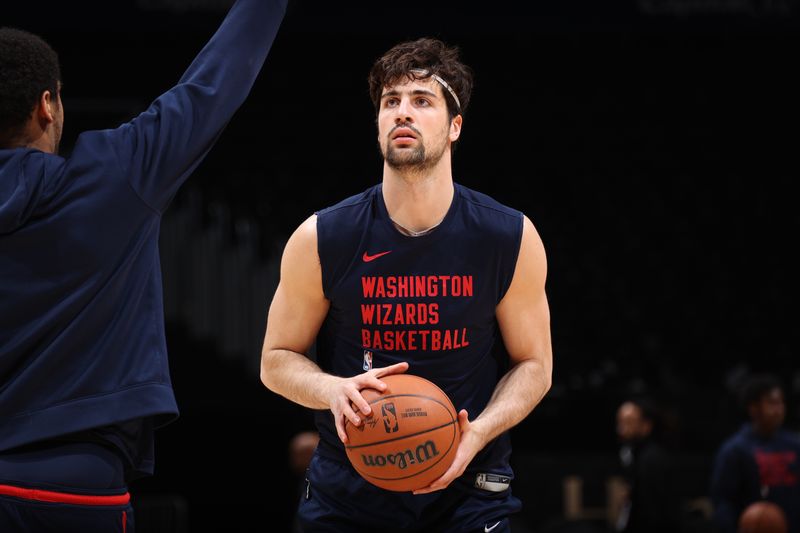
(769, 412)
(631, 424)
(414, 128)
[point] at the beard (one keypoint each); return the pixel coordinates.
(414, 160)
(406, 158)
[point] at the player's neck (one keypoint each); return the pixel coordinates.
(417, 203)
(34, 136)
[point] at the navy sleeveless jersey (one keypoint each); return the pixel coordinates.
(429, 300)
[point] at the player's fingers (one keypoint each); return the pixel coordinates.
(368, 381)
(359, 402)
(459, 465)
(463, 420)
(347, 414)
(437, 484)
(340, 430)
(455, 470)
(444, 480)
(338, 420)
(358, 411)
(351, 415)
(397, 368)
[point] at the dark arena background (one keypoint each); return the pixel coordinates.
(653, 143)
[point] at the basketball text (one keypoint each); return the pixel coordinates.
(401, 460)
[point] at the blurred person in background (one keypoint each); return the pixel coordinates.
(761, 461)
(649, 503)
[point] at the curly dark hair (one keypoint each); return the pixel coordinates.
(648, 408)
(428, 54)
(28, 67)
(756, 387)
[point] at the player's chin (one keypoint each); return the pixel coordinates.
(404, 144)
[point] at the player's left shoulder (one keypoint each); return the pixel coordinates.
(497, 223)
(482, 201)
(791, 438)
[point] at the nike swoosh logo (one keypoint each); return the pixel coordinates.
(367, 258)
(487, 529)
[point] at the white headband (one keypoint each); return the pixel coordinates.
(424, 73)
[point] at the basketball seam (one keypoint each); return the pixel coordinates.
(353, 447)
(403, 395)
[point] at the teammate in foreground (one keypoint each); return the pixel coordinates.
(84, 376)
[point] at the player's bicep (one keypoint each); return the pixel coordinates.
(524, 314)
(299, 305)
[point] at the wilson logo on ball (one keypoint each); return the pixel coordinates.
(389, 417)
(424, 452)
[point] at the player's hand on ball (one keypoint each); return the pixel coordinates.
(345, 400)
(470, 444)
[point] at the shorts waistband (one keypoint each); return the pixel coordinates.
(71, 467)
(52, 496)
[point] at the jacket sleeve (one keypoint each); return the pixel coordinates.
(161, 147)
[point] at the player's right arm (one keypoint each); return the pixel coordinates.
(295, 316)
(162, 146)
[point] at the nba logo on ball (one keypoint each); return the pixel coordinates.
(389, 417)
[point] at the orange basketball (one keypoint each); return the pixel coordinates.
(762, 517)
(411, 437)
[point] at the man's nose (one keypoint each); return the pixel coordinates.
(403, 111)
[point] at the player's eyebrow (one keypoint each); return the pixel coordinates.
(395, 92)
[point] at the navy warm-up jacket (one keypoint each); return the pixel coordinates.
(82, 341)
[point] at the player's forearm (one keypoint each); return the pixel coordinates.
(161, 147)
(226, 68)
(295, 377)
(514, 397)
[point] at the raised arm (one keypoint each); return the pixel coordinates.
(161, 147)
(295, 316)
(524, 319)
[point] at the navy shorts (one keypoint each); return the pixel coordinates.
(338, 500)
(64, 488)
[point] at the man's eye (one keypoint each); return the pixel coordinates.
(391, 102)
(423, 102)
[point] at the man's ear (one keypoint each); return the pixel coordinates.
(45, 110)
(455, 128)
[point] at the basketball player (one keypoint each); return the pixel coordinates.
(422, 274)
(84, 376)
(759, 462)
